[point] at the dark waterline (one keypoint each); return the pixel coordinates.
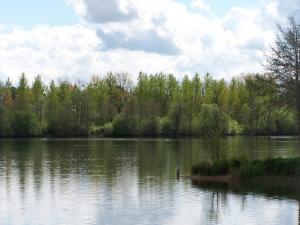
(133, 181)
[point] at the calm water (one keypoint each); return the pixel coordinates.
(94, 181)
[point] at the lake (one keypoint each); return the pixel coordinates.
(133, 181)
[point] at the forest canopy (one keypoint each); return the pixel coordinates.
(156, 105)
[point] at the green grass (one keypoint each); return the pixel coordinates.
(249, 169)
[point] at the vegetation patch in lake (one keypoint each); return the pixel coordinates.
(243, 169)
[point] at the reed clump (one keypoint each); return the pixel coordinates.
(249, 168)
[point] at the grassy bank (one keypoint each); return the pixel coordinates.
(243, 169)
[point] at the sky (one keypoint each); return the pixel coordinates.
(75, 39)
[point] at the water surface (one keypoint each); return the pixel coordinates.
(133, 181)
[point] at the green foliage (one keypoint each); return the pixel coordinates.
(285, 123)
(283, 64)
(150, 127)
(277, 166)
(38, 99)
(282, 166)
(175, 116)
(166, 126)
(5, 123)
(203, 168)
(234, 127)
(103, 131)
(25, 124)
(125, 125)
(220, 167)
(158, 104)
(22, 94)
(250, 169)
(213, 121)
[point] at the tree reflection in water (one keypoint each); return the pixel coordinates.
(219, 194)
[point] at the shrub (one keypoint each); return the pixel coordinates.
(235, 163)
(220, 167)
(150, 127)
(251, 169)
(282, 166)
(234, 128)
(106, 130)
(66, 128)
(211, 169)
(213, 121)
(78, 131)
(166, 127)
(5, 123)
(103, 131)
(25, 124)
(202, 169)
(285, 122)
(125, 125)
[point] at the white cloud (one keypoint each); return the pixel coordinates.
(49, 51)
(70, 52)
(229, 45)
(272, 8)
(200, 4)
(144, 40)
(79, 6)
(105, 10)
(149, 36)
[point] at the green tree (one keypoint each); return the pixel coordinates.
(187, 99)
(125, 125)
(24, 124)
(284, 63)
(52, 109)
(5, 123)
(213, 121)
(22, 101)
(38, 100)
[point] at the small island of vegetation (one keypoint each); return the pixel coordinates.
(279, 171)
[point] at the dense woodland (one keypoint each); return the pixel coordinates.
(156, 105)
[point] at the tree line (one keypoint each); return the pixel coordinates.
(157, 105)
(160, 104)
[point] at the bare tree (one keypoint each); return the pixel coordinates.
(284, 63)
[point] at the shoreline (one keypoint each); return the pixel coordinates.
(154, 137)
(267, 180)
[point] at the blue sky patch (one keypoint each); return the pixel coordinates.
(30, 13)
